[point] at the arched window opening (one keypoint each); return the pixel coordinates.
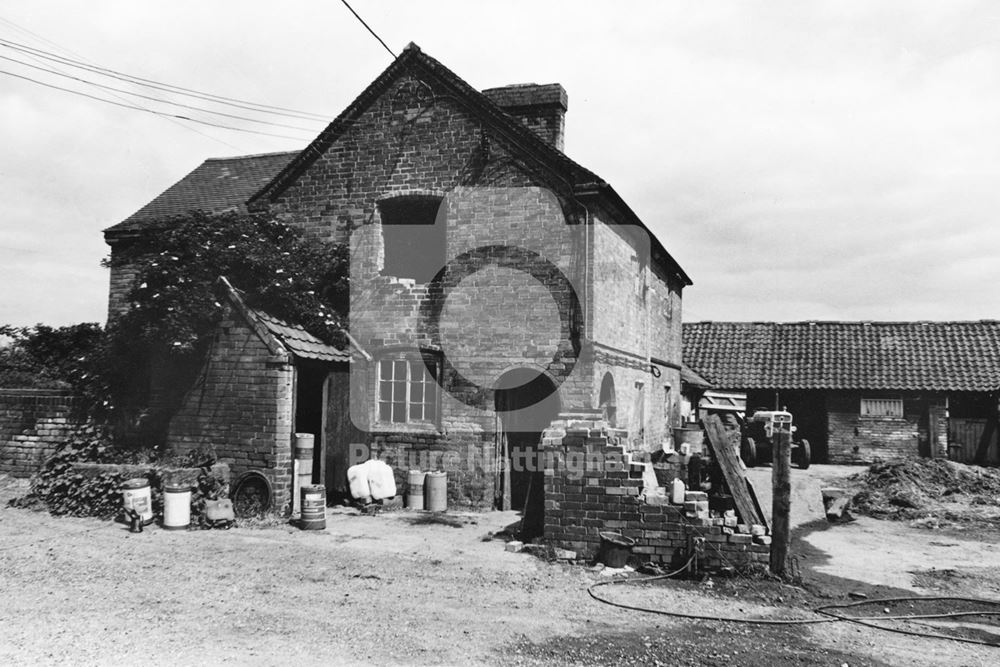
(607, 400)
(413, 238)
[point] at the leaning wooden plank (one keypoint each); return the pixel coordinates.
(756, 504)
(732, 472)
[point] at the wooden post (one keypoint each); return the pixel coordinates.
(781, 487)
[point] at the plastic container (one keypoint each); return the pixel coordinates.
(313, 507)
(436, 491)
(176, 506)
(677, 492)
(415, 489)
(357, 479)
(615, 549)
(381, 480)
(136, 496)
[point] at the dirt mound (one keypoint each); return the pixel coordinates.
(919, 488)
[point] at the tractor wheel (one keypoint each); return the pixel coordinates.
(748, 452)
(805, 454)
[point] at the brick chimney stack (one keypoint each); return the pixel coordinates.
(540, 107)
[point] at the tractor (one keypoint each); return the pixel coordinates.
(757, 443)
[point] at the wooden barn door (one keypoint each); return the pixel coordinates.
(339, 432)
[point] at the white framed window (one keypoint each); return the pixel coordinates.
(407, 391)
(882, 407)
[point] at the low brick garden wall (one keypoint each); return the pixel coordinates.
(33, 423)
(592, 485)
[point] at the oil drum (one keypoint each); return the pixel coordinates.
(415, 490)
(313, 507)
(436, 491)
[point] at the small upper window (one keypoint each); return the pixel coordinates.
(413, 238)
(407, 391)
(881, 407)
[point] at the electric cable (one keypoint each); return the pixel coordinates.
(384, 45)
(166, 87)
(152, 111)
(157, 99)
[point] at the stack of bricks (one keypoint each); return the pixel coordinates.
(592, 486)
(33, 423)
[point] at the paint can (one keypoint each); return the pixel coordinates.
(136, 496)
(313, 507)
(176, 506)
(415, 489)
(436, 492)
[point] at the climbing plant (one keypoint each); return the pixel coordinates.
(175, 303)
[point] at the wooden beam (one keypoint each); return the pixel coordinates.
(733, 473)
(781, 486)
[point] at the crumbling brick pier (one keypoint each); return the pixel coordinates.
(592, 485)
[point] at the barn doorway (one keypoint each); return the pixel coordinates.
(526, 402)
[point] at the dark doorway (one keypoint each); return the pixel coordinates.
(809, 415)
(526, 403)
(309, 408)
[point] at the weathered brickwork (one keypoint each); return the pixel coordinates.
(857, 439)
(592, 485)
(122, 276)
(499, 317)
(537, 279)
(33, 423)
(241, 408)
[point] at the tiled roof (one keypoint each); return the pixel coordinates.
(943, 356)
(689, 377)
(216, 186)
(298, 341)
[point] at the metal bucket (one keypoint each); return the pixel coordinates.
(313, 507)
(176, 506)
(615, 549)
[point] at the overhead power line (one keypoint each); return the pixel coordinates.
(152, 111)
(174, 121)
(166, 87)
(157, 99)
(369, 28)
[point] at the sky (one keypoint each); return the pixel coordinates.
(801, 160)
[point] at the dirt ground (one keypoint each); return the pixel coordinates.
(414, 588)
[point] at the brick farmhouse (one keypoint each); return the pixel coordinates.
(495, 282)
(864, 390)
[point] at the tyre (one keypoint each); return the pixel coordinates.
(804, 454)
(748, 452)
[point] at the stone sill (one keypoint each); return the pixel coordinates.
(388, 428)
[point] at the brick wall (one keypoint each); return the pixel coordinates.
(122, 276)
(497, 318)
(33, 422)
(241, 407)
(592, 485)
(857, 439)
